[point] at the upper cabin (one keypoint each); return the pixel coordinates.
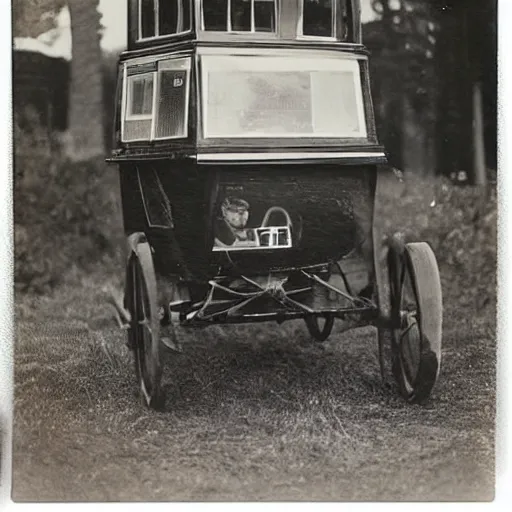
(153, 23)
(243, 75)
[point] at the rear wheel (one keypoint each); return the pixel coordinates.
(416, 308)
(386, 335)
(144, 331)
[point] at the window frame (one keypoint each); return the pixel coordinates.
(158, 36)
(306, 37)
(253, 32)
(129, 96)
(162, 64)
(364, 129)
(165, 67)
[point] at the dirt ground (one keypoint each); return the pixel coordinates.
(254, 413)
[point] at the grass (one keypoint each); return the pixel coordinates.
(255, 412)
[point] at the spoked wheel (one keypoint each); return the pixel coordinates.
(144, 331)
(320, 328)
(416, 309)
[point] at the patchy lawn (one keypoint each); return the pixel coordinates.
(262, 412)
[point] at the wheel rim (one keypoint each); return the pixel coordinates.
(417, 320)
(144, 336)
(409, 335)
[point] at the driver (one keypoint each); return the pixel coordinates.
(231, 229)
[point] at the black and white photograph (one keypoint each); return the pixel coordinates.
(255, 251)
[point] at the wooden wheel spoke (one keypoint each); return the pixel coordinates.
(146, 325)
(409, 327)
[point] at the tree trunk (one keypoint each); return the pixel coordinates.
(86, 123)
(479, 168)
(414, 157)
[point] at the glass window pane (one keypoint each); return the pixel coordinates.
(168, 16)
(137, 129)
(332, 109)
(345, 20)
(256, 103)
(172, 104)
(264, 15)
(147, 18)
(284, 97)
(137, 98)
(241, 15)
(215, 15)
(141, 95)
(147, 104)
(185, 15)
(317, 18)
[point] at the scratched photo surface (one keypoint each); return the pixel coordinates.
(255, 250)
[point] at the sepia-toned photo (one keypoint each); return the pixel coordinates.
(255, 250)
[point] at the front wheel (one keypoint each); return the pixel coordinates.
(144, 330)
(416, 309)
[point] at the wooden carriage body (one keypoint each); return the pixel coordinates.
(255, 108)
(249, 168)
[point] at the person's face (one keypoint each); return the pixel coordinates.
(236, 217)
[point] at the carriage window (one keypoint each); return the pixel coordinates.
(318, 18)
(156, 103)
(240, 15)
(172, 105)
(163, 17)
(140, 94)
(139, 107)
(147, 18)
(264, 16)
(282, 97)
(168, 15)
(215, 15)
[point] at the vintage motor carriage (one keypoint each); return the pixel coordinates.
(249, 169)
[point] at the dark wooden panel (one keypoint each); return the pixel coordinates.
(182, 249)
(331, 210)
(133, 209)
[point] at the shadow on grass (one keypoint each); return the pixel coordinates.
(280, 368)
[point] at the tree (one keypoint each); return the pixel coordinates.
(467, 61)
(34, 17)
(86, 121)
(86, 126)
(444, 53)
(403, 74)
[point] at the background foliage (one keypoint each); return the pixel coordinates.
(67, 214)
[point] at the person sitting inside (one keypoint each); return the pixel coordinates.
(230, 229)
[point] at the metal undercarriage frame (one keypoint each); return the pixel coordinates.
(234, 305)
